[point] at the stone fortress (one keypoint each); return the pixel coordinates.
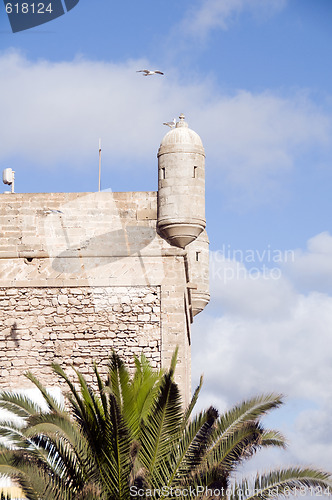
(84, 273)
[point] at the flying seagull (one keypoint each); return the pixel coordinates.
(148, 72)
(170, 124)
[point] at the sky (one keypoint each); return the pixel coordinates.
(254, 80)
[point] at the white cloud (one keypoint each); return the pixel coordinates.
(54, 114)
(211, 14)
(289, 354)
(312, 436)
(232, 282)
(59, 110)
(312, 269)
(256, 139)
(241, 357)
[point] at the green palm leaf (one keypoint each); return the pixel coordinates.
(133, 431)
(282, 483)
(19, 404)
(161, 430)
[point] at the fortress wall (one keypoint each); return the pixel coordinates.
(83, 273)
(75, 326)
(77, 224)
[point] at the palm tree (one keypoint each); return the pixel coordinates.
(131, 438)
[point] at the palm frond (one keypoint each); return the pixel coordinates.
(189, 409)
(247, 412)
(188, 450)
(101, 390)
(250, 410)
(270, 437)
(233, 448)
(283, 482)
(161, 430)
(52, 403)
(114, 462)
(144, 389)
(118, 377)
(19, 404)
(73, 396)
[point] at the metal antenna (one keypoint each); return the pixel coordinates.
(99, 164)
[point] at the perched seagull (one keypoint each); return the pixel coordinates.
(147, 72)
(171, 124)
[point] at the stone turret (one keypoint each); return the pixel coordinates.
(181, 185)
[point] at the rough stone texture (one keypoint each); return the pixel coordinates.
(73, 327)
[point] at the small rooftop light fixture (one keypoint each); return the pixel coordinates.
(8, 177)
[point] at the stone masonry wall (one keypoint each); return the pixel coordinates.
(82, 273)
(74, 327)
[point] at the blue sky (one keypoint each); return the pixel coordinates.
(254, 79)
